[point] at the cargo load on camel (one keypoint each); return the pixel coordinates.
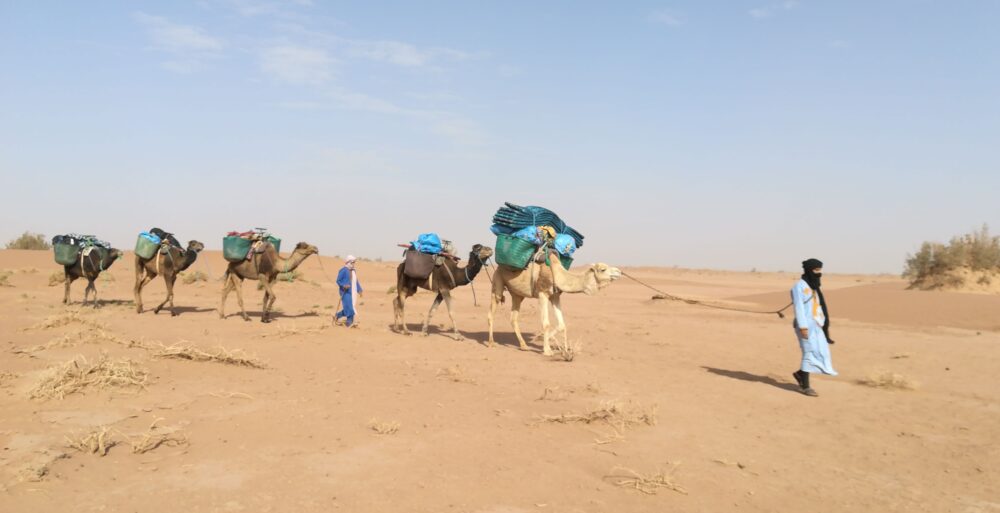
(524, 234)
(236, 246)
(68, 248)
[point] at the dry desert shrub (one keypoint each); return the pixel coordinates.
(936, 265)
(383, 428)
(888, 380)
(91, 336)
(191, 277)
(566, 350)
(153, 438)
(185, 351)
(29, 240)
(56, 278)
(79, 374)
(648, 484)
(455, 374)
(616, 414)
(70, 317)
(5, 279)
(96, 442)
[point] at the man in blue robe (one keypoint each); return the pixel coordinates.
(810, 320)
(350, 288)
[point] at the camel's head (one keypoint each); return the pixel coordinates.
(482, 252)
(195, 246)
(605, 274)
(113, 256)
(306, 248)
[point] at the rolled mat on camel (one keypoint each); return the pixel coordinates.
(236, 246)
(526, 233)
(68, 248)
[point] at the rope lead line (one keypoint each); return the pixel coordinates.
(696, 302)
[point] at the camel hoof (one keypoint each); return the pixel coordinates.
(548, 353)
(174, 314)
(424, 334)
(407, 333)
(265, 321)
(458, 337)
(247, 319)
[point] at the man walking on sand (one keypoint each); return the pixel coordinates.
(350, 289)
(810, 320)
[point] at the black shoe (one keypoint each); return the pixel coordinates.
(799, 379)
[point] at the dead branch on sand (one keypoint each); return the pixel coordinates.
(628, 478)
(96, 442)
(152, 439)
(383, 428)
(78, 374)
(620, 416)
(185, 351)
(888, 380)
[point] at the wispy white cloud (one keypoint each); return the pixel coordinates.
(297, 64)
(251, 8)
(666, 17)
(174, 37)
(770, 10)
(402, 54)
(188, 46)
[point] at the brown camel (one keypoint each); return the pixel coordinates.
(264, 267)
(167, 264)
(443, 279)
(547, 283)
(89, 266)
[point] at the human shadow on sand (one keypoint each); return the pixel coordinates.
(746, 376)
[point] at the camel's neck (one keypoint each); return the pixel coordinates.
(572, 283)
(469, 272)
(189, 257)
(288, 264)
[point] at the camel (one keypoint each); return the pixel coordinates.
(264, 267)
(547, 283)
(167, 264)
(89, 266)
(443, 279)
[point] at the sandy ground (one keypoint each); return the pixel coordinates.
(730, 430)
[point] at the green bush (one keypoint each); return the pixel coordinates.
(29, 240)
(933, 264)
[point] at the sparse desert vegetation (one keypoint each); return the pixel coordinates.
(970, 261)
(28, 240)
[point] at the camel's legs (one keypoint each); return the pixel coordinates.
(494, 301)
(515, 312)
(268, 299)
(225, 292)
(543, 305)
(434, 305)
(90, 286)
(140, 272)
(401, 297)
(169, 281)
(560, 322)
(238, 285)
(68, 280)
(270, 306)
(451, 315)
(398, 304)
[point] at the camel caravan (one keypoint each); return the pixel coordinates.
(534, 253)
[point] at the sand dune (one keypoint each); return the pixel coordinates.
(368, 420)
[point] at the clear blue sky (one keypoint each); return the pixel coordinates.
(726, 134)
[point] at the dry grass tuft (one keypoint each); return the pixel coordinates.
(191, 277)
(391, 290)
(552, 394)
(185, 351)
(152, 439)
(56, 278)
(455, 374)
(91, 336)
(96, 442)
(888, 380)
(79, 374)
(5, 279)
(383, 428)
(628, 478)
(619, 416)
(567, 351)
(70, 317)
(6, 377)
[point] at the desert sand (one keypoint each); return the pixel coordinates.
(699, 401)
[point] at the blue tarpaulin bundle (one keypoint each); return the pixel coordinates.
(515, 217)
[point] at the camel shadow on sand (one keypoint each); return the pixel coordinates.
(746, 376)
